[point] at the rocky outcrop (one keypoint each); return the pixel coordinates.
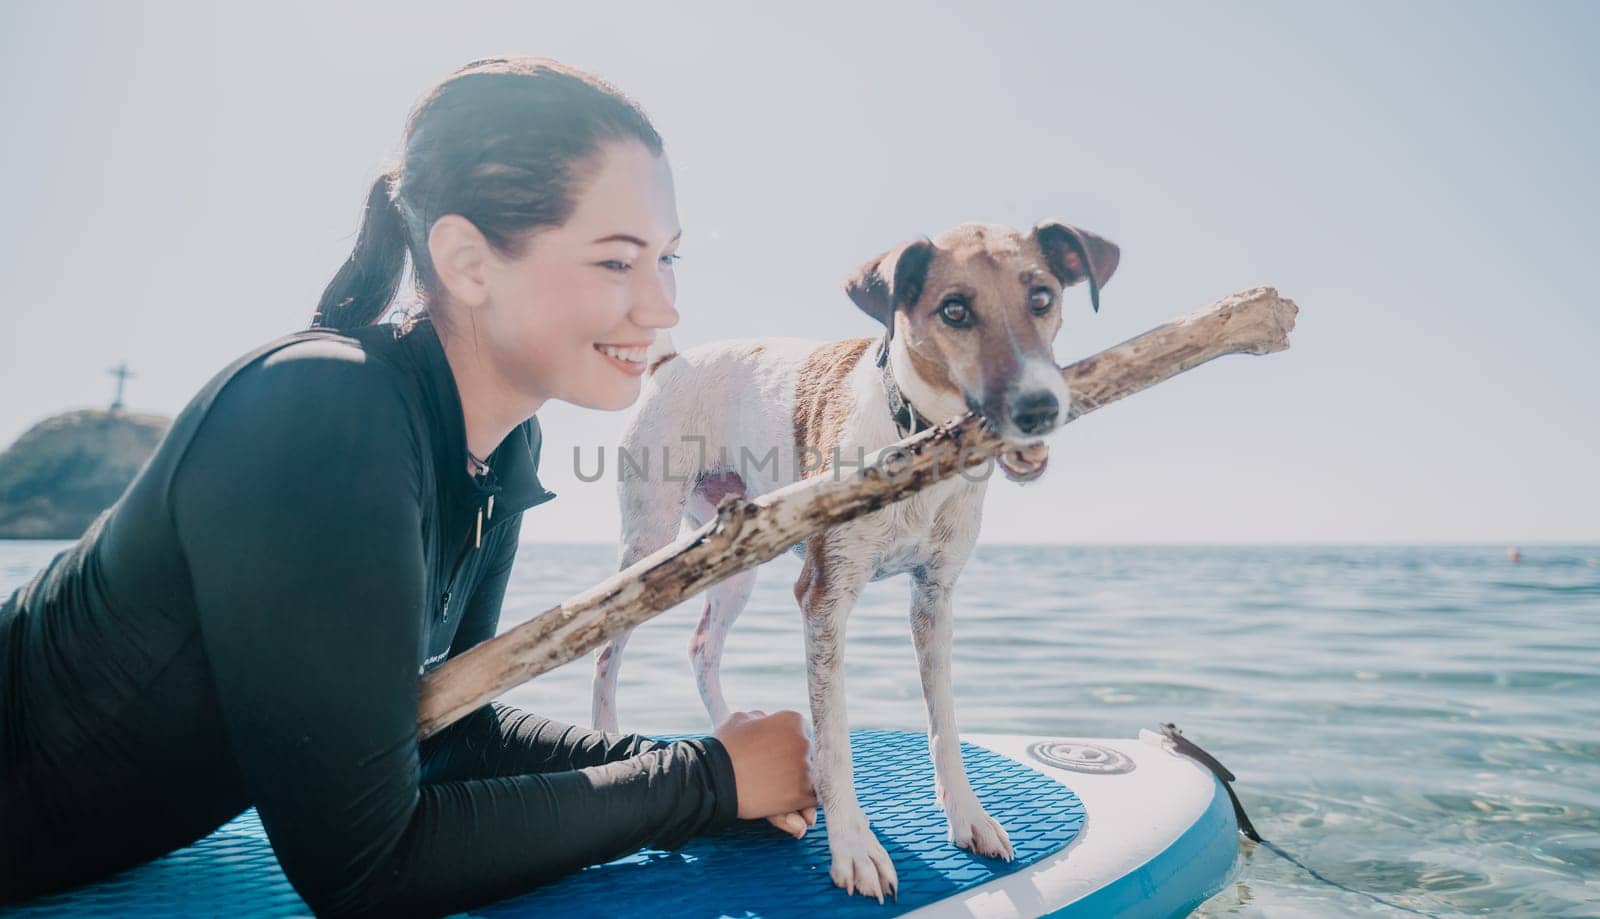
(68, 468)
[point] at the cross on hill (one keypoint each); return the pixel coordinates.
(121, 372)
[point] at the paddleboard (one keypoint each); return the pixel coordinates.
(1101, 827)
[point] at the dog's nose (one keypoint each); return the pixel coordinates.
(1035, 413)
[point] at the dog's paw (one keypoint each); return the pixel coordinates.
(860, 864)
(972, 828)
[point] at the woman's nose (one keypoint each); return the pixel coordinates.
(653, 308)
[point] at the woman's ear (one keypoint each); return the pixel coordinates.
(892, 279)
(460, 256)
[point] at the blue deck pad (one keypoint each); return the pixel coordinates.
(754, 870)
(748, 870)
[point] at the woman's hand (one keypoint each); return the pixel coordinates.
(771, 768)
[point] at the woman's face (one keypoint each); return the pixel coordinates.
(571, 318)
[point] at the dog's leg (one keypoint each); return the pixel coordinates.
(830, 580)
(724, 603)
(652, 509)
(607, 663)
(971, 827)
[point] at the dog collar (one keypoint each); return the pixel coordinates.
(906, 419)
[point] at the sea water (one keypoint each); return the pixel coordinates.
(1418, 724)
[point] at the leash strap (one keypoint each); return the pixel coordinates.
(1192, 750)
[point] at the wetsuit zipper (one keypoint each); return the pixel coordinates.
(472, 542)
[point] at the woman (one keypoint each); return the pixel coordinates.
(337, 513)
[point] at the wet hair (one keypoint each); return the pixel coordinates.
(504, 143)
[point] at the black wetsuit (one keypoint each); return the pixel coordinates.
(247, 626)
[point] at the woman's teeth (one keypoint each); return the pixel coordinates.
(633, 355)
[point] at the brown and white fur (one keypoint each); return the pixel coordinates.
(745, 398)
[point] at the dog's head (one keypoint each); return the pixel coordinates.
(974, 313)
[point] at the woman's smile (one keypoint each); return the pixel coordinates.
(629, 358)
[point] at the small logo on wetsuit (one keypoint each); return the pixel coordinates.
(428, 663)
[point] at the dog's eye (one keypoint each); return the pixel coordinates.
(1039, 301)
(955, 313)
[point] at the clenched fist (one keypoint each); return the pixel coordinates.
(772, 768)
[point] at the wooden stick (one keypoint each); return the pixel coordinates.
(748, 532)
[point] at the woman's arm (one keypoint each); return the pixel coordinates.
(499, 739)
(298, 507)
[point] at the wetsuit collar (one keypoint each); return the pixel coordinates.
(515, 462)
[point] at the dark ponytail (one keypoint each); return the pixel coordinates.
(503, 142)
(367, 282)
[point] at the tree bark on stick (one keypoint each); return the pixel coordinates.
(748, 532)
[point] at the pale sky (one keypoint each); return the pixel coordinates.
(181, 180)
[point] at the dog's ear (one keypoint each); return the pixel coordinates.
(1075, 254)
(890, 280)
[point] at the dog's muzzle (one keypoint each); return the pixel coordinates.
(1035, 413)
(1024, 464)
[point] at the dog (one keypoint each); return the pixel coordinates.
(969, 321)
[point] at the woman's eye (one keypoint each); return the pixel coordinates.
(1039, 301)
(670, 260)
(955, 313)
(615, 265)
